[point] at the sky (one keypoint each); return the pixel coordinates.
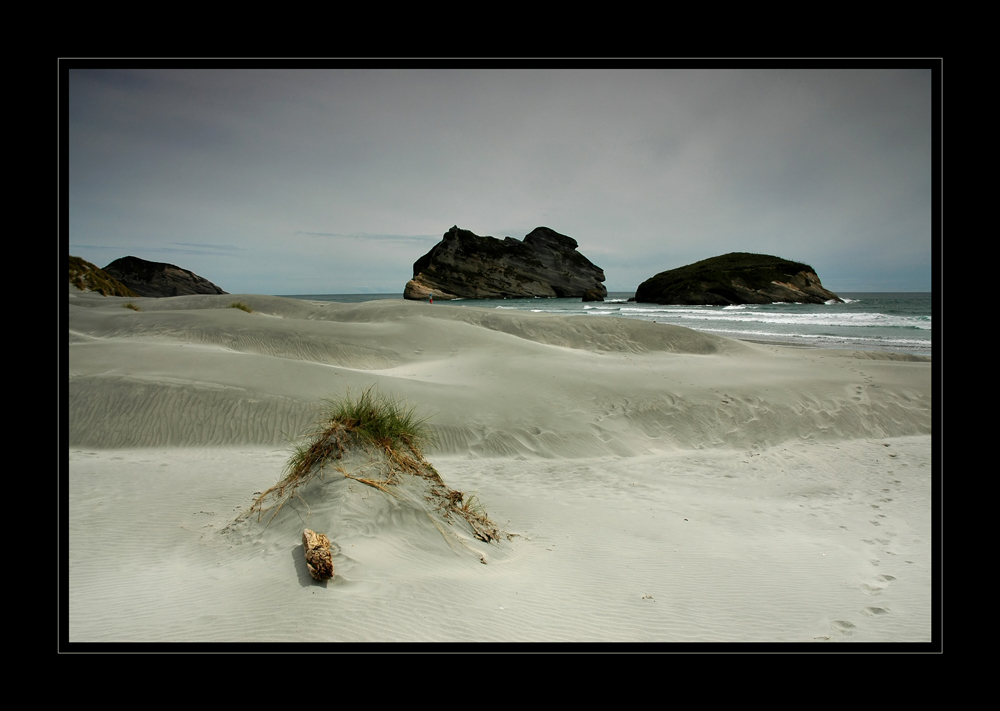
(335, 181)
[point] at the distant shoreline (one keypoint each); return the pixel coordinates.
(892, 322)
(611, 294)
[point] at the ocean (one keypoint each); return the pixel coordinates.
(898, 322)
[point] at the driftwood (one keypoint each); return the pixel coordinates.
(318, 557)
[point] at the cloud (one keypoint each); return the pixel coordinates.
(349, 176)
(429, 240)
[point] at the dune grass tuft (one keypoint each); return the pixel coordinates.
(379, 420)
(392, 434)
(241, 306)
(371, 421)
(131, 305)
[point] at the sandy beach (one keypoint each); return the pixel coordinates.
(659, 485)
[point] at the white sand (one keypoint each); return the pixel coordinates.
(664, 485)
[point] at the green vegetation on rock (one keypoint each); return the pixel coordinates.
(87, 277)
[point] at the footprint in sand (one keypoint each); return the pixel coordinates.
(880, 584)
(876, 611)
(843, 627)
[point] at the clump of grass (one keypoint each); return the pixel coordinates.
(241, 306)
(472, 510)
(380, 421)
(473, 506)
(373, 421)
(390, 431)
(131, 305)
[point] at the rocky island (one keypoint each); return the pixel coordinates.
(464, 265)
(736, 278)
(159, 279)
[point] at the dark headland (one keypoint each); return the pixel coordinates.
(159, 279)
(736, 278)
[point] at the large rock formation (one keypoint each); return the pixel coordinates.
(736, 278)
(87, 277)
(465, 265)
(159, 278)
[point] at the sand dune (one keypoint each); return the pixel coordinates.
(663, 485)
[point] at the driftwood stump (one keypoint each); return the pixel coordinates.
(318, 557)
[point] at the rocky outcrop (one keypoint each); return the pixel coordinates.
(159, 278)
(736, 278)
(467, 266)
(87, 277)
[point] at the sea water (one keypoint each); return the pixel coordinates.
(880, 321)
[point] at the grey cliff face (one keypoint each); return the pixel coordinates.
(158, 279)
(465, 265)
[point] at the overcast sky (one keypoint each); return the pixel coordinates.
(337, 181)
